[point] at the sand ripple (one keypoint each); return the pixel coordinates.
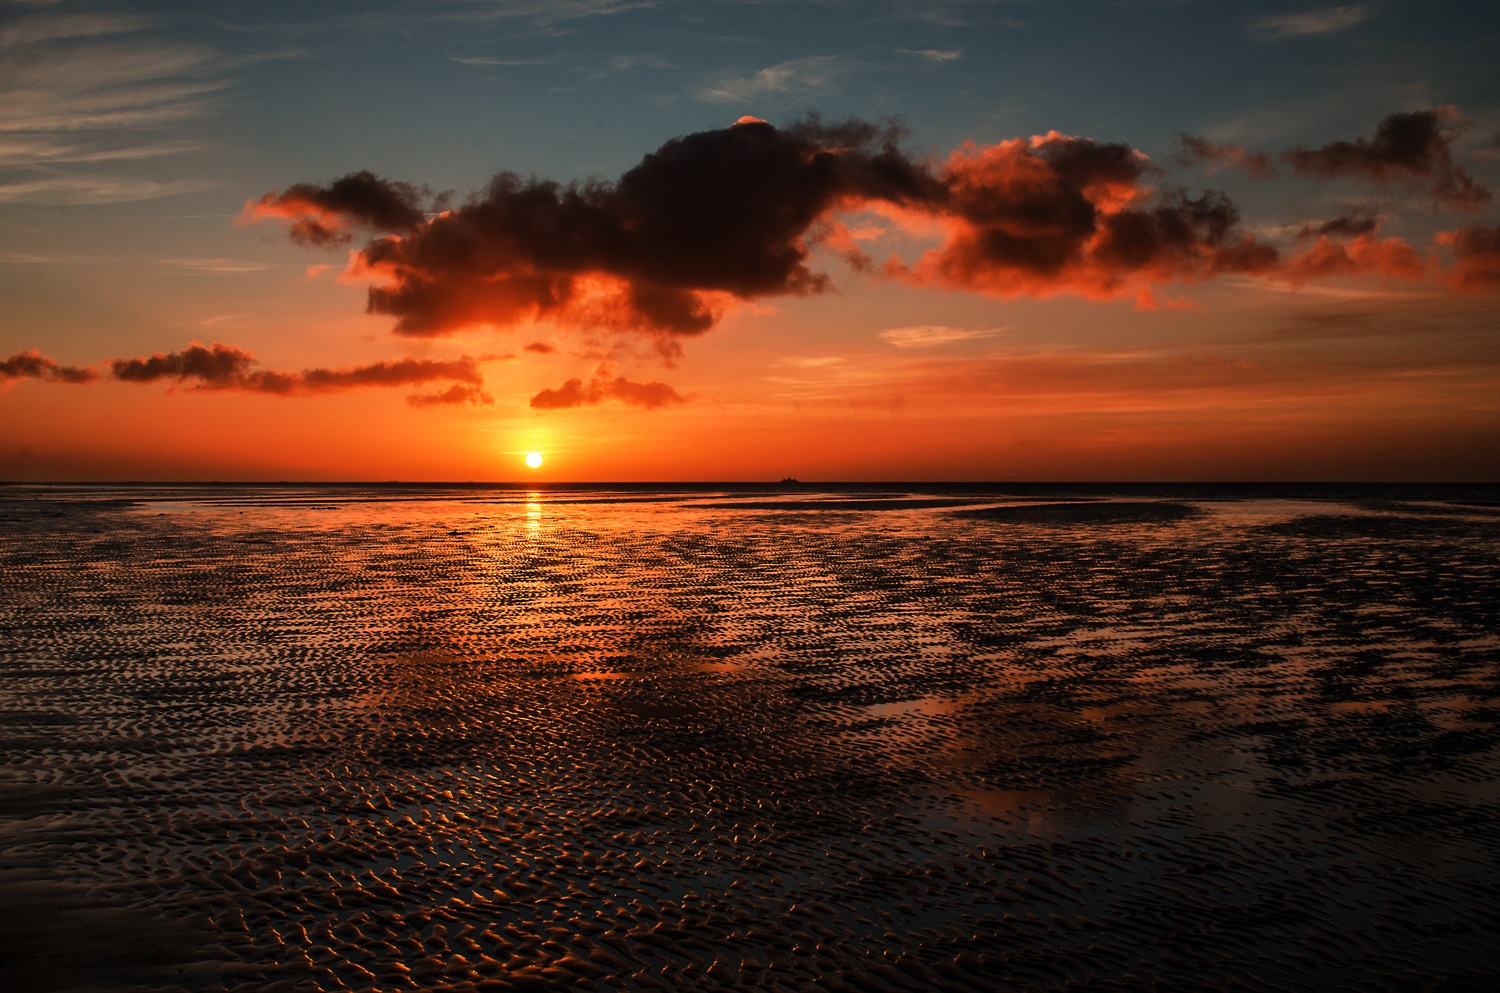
(456, 741)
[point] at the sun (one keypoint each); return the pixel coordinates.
(534, 459)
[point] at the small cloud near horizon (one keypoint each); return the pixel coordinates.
(809, 73)
(229, 367)
(927, 335)
(1325, 20)
(604, 387)
(934, 54)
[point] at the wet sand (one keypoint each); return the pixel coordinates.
(460, 739)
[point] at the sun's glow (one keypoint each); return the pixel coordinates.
(534, 459)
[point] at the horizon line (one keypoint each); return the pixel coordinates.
(788, 482)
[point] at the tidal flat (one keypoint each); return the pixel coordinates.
(730, 738)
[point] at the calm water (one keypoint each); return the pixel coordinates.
(863, 739)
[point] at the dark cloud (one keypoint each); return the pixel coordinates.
(32, 364)
(540, 348)
(1406, 146)
(323, 215)
(1060, 214)
(227, 367)
(216, 366)
(1476, 253)
(456, 394)
(705, 218)
(403, 372)
(733, 214)
(1181, 237)
(604, 387)
(1192, 150)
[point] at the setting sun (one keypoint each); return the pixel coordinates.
(534, 459)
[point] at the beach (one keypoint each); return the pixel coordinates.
(725, 738)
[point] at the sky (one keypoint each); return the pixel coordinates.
(749, 239)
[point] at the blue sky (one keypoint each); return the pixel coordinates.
(447, 93)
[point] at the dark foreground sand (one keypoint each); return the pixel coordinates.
(330, 739)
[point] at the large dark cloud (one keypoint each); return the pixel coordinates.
(706, 217)
(734, 214)
(1416, 145)
(32, 364)
(228, 367)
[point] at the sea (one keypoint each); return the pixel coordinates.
(750, 737)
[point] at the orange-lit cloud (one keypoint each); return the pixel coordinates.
(32, 364)
(1363, 255)
(734, 212)
(1476, 251)
(927, 335)
(712, 220)
(456, 394)
(710, 215)
(602, 388)
(1060, 214)
(326, 215)
(227, 367)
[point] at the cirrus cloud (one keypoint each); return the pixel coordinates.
(794, 75)
(1309, 23)
(927, 335)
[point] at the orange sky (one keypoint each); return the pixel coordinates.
(1298, 388)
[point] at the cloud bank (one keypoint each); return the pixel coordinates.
(32, 364)
(717, 218)
(227, 367)
(733, 214)
(1476, 252)
(1405, 147)
(1413, 148)
(705, 219)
